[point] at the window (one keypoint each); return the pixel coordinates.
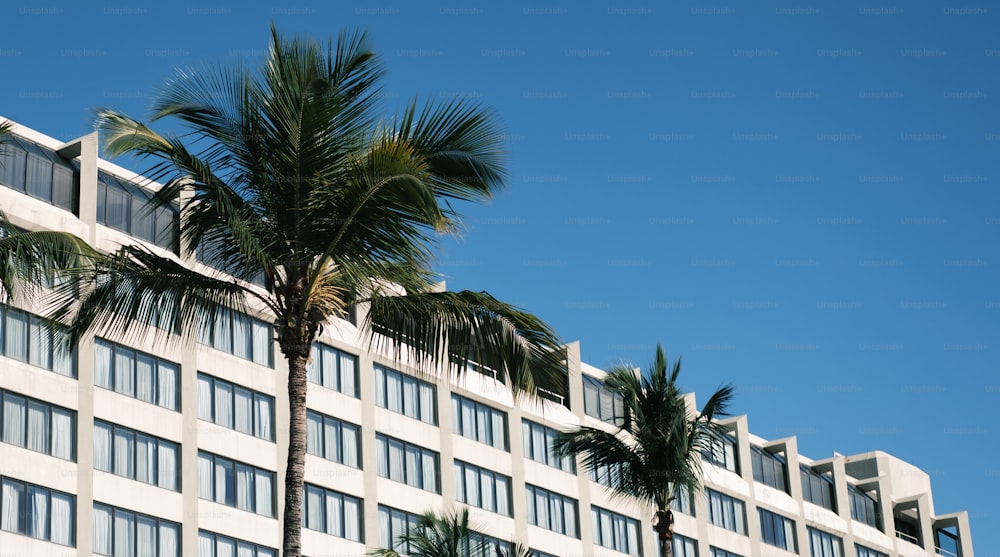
(332, 512)
(407, 463)
(41, 173)
(333, 439)
(37, 512)
(822, 544)
(768, 469)
(684, 546)
(136, 374)
(333, 369)
(482, 488)
(777, 530)
(135, 455)
(721, 451)
(35, 341)
(235, 407)
(606, 474)
(235, 484)
(817, 488)
(406, 395)
(478, 544)
(601, 403)
(616, 531)
(552, 511)
(479, 422)
(238, 334)
(863, 551)
(124, 206)
(864, 509)
(538, 441)
(217, 545)
(726, 512)
(208, 252)
(682, 502)
(37, 425)
(718, 552)
(123, 533)
(393, 524)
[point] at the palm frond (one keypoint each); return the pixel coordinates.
(461, 328)
(29, 259)
(135, 284)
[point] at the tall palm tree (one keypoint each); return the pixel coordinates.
(655, 452)
(289, 172)
(448, 535)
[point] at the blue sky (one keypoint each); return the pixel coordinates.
(799, 197)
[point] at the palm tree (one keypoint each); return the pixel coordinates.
(288, 172)
(655, 452)
(449, 535)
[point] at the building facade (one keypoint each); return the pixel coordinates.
(151, 447)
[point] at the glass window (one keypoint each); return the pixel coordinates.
(552, 511)
(235, 407)
(407, 463)
(235, 484)
(721, 451)
(134, 455)
(36, 341)
(863, 551)
(538, 447)
(136, 374)
(37, 512)
(482, 488)
(684, 546)
(120, 532)
(816, 488)
(601, 403)
(215, 545)
(768, 469)
(333, 369)
(718, 552)
(479, 422)
(823, 544)
(333, 439)
(777, 530)
(37, 425)
(863, 507)
(726, 512)
(332, 512)
(240, 335)
(406, 395)
(13, 161)
(616, 531)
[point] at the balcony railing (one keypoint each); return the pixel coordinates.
(907, 537)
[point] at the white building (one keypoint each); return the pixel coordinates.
(169, 449)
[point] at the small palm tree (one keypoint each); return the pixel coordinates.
(448, 535)
(291, 173)
(655, 452)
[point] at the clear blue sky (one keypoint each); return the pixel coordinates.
(799, 197)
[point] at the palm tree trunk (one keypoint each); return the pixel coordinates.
(295, 472)
(663, 526)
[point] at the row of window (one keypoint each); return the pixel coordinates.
(37, 425)
(405, 395)
(240, 335)
(479, 422)
(552, 511)
(482, 488)
(123, 533)
(36, 341)
(37, 512)
(235, 407)
(407, 463)
(32, 169)
(136, 374)
(235, 484)
(123, 206)
(616, 531)
(135, 455)
(333, 439)
(332, 512)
